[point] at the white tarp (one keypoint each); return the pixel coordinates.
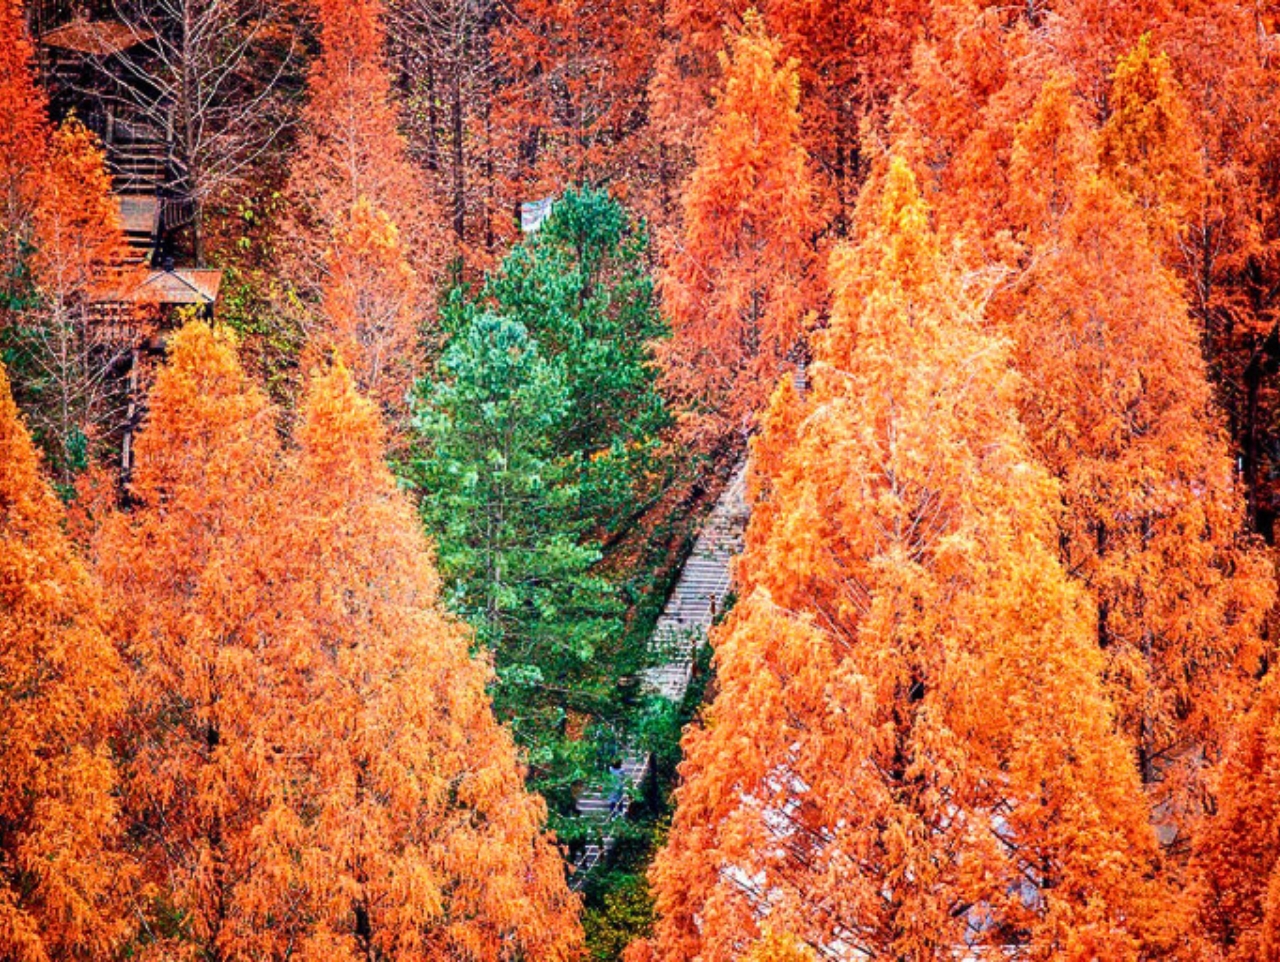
(533, 213)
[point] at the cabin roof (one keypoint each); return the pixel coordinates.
(98, 38)
(181, 285)
(174, 287)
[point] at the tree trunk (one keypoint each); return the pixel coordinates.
(459, 175)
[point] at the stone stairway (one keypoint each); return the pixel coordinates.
(698, 596)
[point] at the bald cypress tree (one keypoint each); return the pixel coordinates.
(186, 568)
(1118, 404)
(421, 842)
(61, 875)
(313, 767)
(910, 750)
(1236, 850)
(366, 233)
(738, 272)
(24, 135)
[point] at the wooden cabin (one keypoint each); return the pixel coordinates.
(97, 65)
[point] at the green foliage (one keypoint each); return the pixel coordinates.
(581, 286)
(254, 300)
(626, 914)
(536, 436)
(503, 509)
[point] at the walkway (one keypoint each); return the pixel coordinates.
(696, 599)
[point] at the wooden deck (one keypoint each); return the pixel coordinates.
(698, 596)
(140, 217)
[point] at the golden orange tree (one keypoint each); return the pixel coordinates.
(852, 60)
(1184, 95)
(69, 355)
(910, 752)
(1237, 851)
(187, 568)
(312, 767)
(1085, 219)
(23, 140)
(1148, 145)
(1120, 409)
(779, 948)
(738, 276)
(61, 875)
(420, 840)
(371, 303)
(77, 226)
(368, 232)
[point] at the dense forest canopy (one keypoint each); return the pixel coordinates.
(637, 480)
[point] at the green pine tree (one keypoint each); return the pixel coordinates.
(537, 439)
(581, 286)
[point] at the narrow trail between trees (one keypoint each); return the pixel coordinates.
(698, 596)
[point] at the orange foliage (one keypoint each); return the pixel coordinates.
(1238, 851)
(1225, 55)
(1052, 150)
(314, 770)
(359, 202)
(61, 876)
(779, 948)
(77, 257)
(1084, 216)
(351, 146)
(579, 73)
(739, 270)
(972, 85)
(23, 135)
(370, 303)
(78, 233)
(910, 749)
(187, 571)
(423, 843)
(1119, 408)
(1147, 146)
(851, 59)
(1089, 37)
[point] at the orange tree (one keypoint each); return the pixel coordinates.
(738, 274)
(61, 877)
(1148, 145)
(312, 768)
(186, 571)
(365, 231)
(1119, 407)
(419, 841)
(69, 358)
(1086, 220)
(1238, 873)
(61, 243)
(23, 143)
(910, 750)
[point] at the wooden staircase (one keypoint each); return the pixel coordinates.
(60, 68)
(695, 601)
(137, 157)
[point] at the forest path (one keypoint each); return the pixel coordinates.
(698, 596)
